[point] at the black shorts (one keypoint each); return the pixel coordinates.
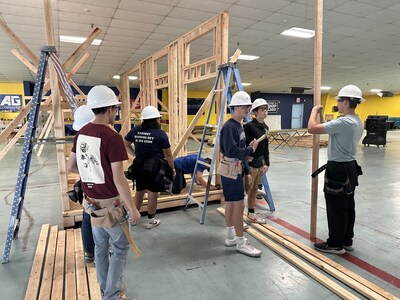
(145, 178)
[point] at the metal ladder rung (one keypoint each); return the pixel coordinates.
(203, 163)
(211, 125)
(195, 201)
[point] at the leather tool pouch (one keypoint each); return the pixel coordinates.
(108, 216)
(230, 168)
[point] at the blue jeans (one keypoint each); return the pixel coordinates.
(109, 267)
(87, 236)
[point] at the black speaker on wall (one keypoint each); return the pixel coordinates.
(376, 127)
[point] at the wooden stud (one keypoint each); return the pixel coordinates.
(58, 275)
(12, 142)
(81, 280)
(317, 101)
(58, 117)
(46, 135)
(47, 278)
(18, 42)
(46, 124)
(32, 291)
(70, 276)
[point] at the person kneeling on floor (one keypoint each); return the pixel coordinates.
(186, 165)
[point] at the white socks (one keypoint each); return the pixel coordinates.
(230, 233)
(240, 241)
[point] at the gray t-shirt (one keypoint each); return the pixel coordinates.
(344, 135)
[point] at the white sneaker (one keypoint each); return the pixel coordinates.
(255, 218)
(247, 249)
(229, 242)
(245, 226)
(153, 223)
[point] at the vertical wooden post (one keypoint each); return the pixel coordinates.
(57, 111)
(124, 97)
(317, 101)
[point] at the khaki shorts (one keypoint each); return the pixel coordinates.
(255, 176)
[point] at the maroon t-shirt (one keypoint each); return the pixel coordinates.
(96, 147)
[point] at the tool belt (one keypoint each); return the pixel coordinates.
(105, 212)
(230, 167)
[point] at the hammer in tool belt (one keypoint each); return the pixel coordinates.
(124, 226)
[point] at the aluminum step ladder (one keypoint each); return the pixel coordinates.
(226, 71)
(23, 172)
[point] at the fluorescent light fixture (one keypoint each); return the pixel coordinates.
(325, 88)
(129, 77)
(246, 83)
(248, 57)
(375, 90)
(77, 40)
(299, 32)
(345, 67)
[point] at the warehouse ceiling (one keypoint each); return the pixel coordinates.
(361, 39)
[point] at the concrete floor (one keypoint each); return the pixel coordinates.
(184, 260)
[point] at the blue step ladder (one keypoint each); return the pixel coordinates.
(225, 71)
(23, 172)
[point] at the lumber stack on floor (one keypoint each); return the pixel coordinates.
(299, 254)
(164, 201)
(59, 270)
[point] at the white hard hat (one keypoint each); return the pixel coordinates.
(350, 91)
(257, 103)
(101, 96)
(240, 98)
(150, 112)
(82, 115)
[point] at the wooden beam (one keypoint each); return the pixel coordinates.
(30, 66)
(43, 132)
(46, 134)
(32, 291)
(47, 278)
(77, 88)
(81, 49)
(81, 279)
(70, 281)
(193, 124)
(303, 266)
(125, 106)
(348, 277)
(58, 115)
(11, 143)
(18, 42)
(317, 101)
(58, 275)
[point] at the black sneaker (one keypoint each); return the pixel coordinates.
(324, 247)
(89, 258)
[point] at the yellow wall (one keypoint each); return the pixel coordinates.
(373, 105)
(12, 88)
(194, 94)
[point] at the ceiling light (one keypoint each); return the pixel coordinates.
(325, 88)
(345, 67)
(299, 32)
(246, 83)
(248, 57)
(129, 77)
(375, 90)
(77, 40)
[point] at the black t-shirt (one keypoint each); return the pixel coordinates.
(148, 142)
